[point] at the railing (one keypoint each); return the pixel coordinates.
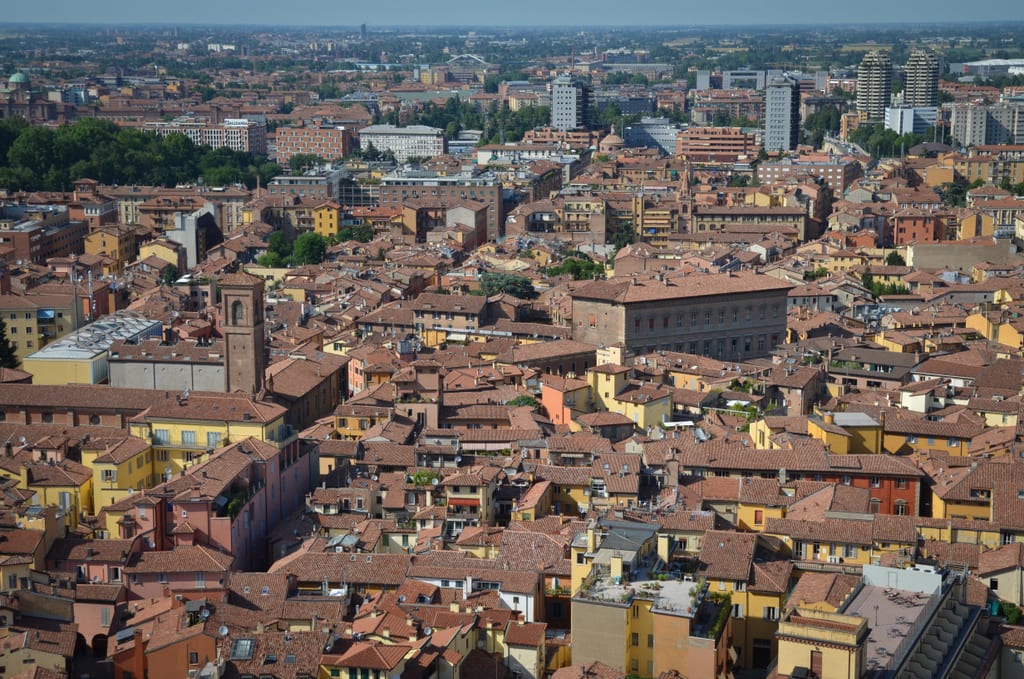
(912, 636)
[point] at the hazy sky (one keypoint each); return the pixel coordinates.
(508, 13)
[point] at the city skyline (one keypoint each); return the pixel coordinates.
(529, 13)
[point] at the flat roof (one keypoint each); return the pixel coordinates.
(95, 339)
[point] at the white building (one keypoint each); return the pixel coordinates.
(414, 141)
(570, 103)
(907, 119)
(781, 115)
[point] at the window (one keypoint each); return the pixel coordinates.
(1006, 537)
(876, 482)
(212, 439)
(993, 584)
(876, 505)
(953, 443)
(846, 479)
(911, 438)
(188, 438)
(636, 613)
(650, 641)
(47, 418)
(635, 639)
(109, 475)
(200, 580)
(771, 613)
(737, 610)
(901, 484)
(193, 658)
(105, 616)
(94, 419)
(161, 456)
(901, 507)
(758, 517)
(741, 586)
(850, 551)
(161, 436)
(162, 577)
(115, 574)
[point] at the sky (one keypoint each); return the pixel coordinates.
(509, 12)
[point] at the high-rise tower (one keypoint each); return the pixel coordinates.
(874, 85)
(781, 115)
(242, 310)
(570, 103)
(922, 88)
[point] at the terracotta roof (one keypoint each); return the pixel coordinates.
(727, 556)
(181, 559)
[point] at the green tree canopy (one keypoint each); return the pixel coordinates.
(8, 359)
(894, 258)
(579, 266)
(310, 248)
(170, 275)
(497, 283)
(304, 161)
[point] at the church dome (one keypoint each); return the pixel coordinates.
(18, 79)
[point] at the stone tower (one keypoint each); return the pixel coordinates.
(242, 310)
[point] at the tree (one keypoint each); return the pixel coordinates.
(579, 266)
(301, 162)
(498, 283)
(894, 258)
(524, 400)
(8, 359)
(310, 248)
(271, 260)
(170, 275)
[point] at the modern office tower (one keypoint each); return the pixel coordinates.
(874, 85)
(922, 87)
(570, 103)
(782, 115)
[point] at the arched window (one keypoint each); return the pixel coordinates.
(237, 313)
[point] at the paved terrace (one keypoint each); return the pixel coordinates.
(891, 613)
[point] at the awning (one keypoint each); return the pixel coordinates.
(463, 502)
(456, 337)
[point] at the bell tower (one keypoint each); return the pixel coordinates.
(242, 310)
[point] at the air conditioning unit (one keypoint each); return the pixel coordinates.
(192, 674)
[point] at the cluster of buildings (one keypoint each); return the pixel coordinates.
(689, 401)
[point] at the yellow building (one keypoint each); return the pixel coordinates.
(161, 248)
(181, 430)
(743, 568)
(117, 242)
(847, 433)
(830, 644)
(119, 467)
(327, 219)
(57, 481)
(647, 626)
(647, 405)
(81, 357)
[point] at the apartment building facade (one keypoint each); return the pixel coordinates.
(732, 316)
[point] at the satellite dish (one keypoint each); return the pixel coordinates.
(205, 614)
(223, 631)
(428, 631)
(434, 481)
